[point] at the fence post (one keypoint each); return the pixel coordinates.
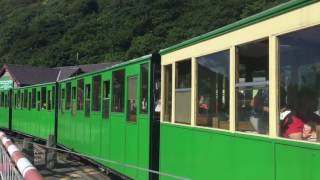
(50, 153)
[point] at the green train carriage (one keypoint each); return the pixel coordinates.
(33, 110)
(223, 95)
(5, 109)
(111, 115)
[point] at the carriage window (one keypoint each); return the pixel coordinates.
(25, 101)
(68, 96)
(80, 94)
(49, 100)
(144, 71)
(183, 92)
(167, 93)
(62, 101)
(132, 99)
(38, 100)
(213, 90)
(43, 98)
(29, 104)
(106, 99)
(299, 84)
(15, 101)
(74, 95)
(34, 98)
(87, 101)
(252, 91)
(118, 91)
(21, 100)
(18, 100)
(53, 97)
(96, 93)
(6, 101)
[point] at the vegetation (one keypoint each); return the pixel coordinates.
(68, 32)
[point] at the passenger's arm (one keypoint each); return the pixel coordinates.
(297, 136)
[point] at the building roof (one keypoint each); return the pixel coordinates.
(264, 15)
(25, 75)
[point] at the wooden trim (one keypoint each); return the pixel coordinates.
(232, 99)
(194, 75)
(173, 101)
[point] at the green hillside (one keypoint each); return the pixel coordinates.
(68, 32)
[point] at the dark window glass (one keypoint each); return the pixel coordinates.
(106, 99)
(43, 98)
(6, 101)
(252, 87)
(132, 99)
(49, 100)
(167, 92)
(19, 100)
(22, 99)
(299, 84)
(96, 93)
(15, 101)
(39, 100)
(30, 99)
(25, 101)
(62, 102)
(68, 96)
(213, 90)
(87, 101)
(74, 100)
(144, 72)
(34, 98)
(118, 91)
(53, 97)
(183, 92)
(80, 94)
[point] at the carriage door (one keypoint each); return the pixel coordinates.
(132, 98)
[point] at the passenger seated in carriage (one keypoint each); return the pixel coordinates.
(300, 121)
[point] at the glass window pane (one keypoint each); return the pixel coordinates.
(68, 96)
(80, 94)
(38, 100)
(96, 95)
(87, 100)
(25, 101)
(213, 90)
(53, 97)
(132, 99)
(18, 100)
(106, 99)
(167, 92)
(118, 91)
(43, 98)
(299, 78)
(33, 98)
(144, 72)
(252, 87)
(183, 92)
(62, 101)
(49, 100)
(30, 99)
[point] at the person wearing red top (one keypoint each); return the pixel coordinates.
(294, 129)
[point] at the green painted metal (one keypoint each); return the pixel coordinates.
(199, 153)
(37, 122)
(273, 12)
(114, 139)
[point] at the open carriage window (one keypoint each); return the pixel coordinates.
(118, 91)
(96, 95)
(39, 100)
(30, 101)
(299, 84)
(53, 97)
(132, 98)
(80, 94)
(49, 100)
(213, 90)
(252, 87)
(144, 73)
(183, 92)
(62, 101)
(18, 100)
